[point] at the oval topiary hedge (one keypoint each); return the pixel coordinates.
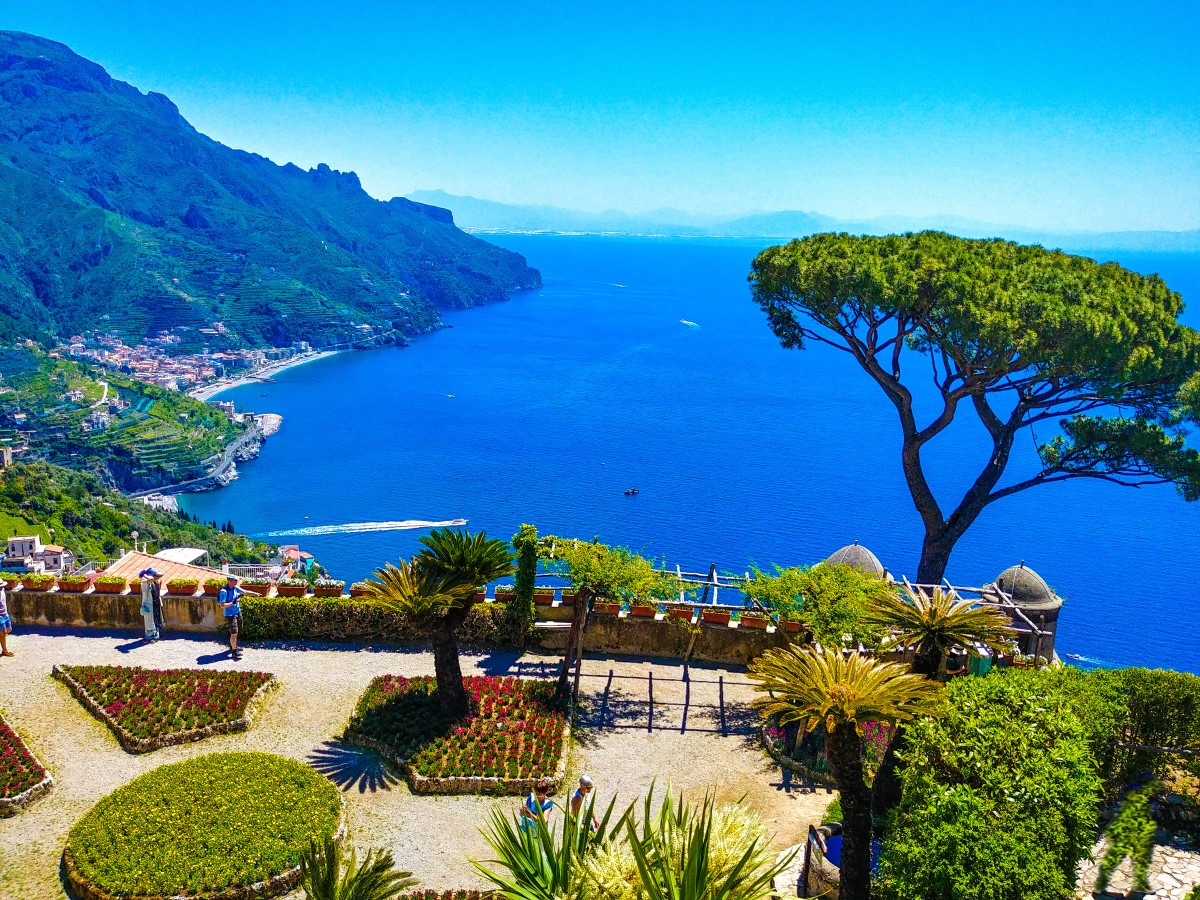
(225, 825)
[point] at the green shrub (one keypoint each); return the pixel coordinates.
(203, 825)
(999, 796)
(830, 600)
(358, 619)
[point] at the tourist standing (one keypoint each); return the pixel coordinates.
(538, 803)
(580, 797)
(230, 598)
(150, 588)
(5, 621)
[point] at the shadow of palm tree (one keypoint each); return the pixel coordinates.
(348, 767)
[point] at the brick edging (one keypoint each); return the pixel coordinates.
(460, 784)
(790, 764)
(259, 890)
(132, 744)
(10, 806)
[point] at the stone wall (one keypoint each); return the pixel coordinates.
(93, 610)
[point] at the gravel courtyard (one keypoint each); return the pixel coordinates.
(697, 733)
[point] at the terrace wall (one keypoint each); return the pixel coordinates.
(108, 610)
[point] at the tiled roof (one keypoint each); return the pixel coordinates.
(133, 562)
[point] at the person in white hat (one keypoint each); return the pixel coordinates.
(580, 797)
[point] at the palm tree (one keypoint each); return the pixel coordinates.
(436, 590)
(843, 693)
(933, 624)
(329, 873)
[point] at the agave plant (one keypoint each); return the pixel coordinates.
(327, 872)
(541, 863)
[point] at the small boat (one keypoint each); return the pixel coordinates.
(1074, 656)
(629, 492)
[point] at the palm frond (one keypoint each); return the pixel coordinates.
(406, 588)
(464, 562)
(327, 872)
(933, 624)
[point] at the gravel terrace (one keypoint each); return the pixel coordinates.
(699, 734)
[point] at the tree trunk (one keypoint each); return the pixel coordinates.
(935, 557)
(844, 748)
(574, 636)
(886, 789)
(451, 693)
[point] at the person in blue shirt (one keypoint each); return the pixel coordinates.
(537, 802)
(5, 622)
(229, 598)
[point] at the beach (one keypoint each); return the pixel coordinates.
(212, 388)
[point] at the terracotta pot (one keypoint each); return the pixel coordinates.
(292, 590)
(104, 588)
(211, 590)
(180, 592)
(759, 623)
(12, 580)
(327, 592)
(639, 611)
(791, 627)
(359, 592)
(477, 597)
(505, 596)
(73, 587)
(679, 612)
(543, 598)
(715, 616)
(568, 598)
(605, 608)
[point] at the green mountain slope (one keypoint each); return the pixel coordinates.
(116, 213)
(152, 437)
(95, 522)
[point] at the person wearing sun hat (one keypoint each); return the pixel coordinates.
(229, 599)
(5, 622)
(150, 594)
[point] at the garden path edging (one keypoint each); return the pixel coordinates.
(132, 744)
(10, 806)
(791, 765)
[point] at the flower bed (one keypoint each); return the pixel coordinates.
(22, 778)
(223, 826)
(449, 895)
(150, 708)
(513, 736)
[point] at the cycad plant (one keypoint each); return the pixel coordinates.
(843, 692)
(436, 590)
(931, 624)
(327, 872)
(537, 862)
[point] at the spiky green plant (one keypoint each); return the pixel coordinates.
(933, 624)
(541, 863)
(328, 872)
(843, 692)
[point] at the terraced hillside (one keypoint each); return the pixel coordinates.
(149, 437)
(115, 213)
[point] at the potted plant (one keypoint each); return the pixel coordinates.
(183, 587)
(212, 586)
(479, 596)
(753, 620)
(37, 582)
(360, 589)
(328, 587)
(543, 597)
(135, 585)
(715, 616)
(291, 587)
(110, 584)
(568, 598)
(606, 608)
(505, 593)
(640, 609)
(12, 579)
(791, 626)
(73, 584)
(683, 613)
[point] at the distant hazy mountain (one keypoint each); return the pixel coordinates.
(485, 215)
(116, 213)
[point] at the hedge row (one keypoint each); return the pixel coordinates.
(350, 619)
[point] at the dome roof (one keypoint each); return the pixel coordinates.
(858, 557)
(1026, 587)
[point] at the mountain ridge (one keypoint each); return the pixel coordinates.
(116, 213)
(485, 216)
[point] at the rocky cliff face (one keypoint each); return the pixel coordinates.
(116, 213)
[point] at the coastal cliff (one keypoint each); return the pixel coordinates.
(117, 214)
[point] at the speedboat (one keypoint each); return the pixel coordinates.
(629, 492)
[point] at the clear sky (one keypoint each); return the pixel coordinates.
(1052, 114)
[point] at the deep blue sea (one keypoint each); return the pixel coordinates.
(546, 408)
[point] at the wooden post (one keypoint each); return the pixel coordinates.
(650, 683)
(583, 598)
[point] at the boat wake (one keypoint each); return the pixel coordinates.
(689, 323)
(362, 528)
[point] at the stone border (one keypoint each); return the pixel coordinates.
(790, 764)
(460, 784)
(132, 744)
(10, 806)
(259, 890)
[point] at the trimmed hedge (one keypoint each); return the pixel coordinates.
(202, 827)
(351, 619)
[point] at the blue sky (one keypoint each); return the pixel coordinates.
(1051, 114)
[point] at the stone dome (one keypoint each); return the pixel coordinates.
(1026, 587)
(859, 557)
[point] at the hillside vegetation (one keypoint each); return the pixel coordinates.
(161, 437)
(116, 213)
(95, 522)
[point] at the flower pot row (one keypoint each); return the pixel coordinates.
(540, 597)
(686, 613)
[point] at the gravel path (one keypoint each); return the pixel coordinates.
(624, 744)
